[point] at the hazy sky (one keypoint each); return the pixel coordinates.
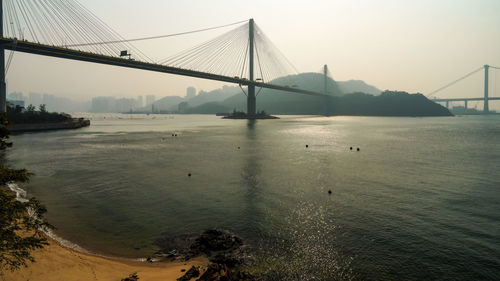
(415, 46)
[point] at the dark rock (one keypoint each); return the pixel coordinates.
(215, 240)
(221, 272)
(229, 259)
(193, 272)
(215, 272)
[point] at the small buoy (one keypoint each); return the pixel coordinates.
(238, 147)
(172, 135)
(358, 149)
(307, 145)
(189, 174)
(329, 191)
(351, 148)
(176, 135)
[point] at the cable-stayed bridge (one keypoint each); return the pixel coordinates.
(67, 29)
(486, 98)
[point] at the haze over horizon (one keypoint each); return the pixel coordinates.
(398, 45)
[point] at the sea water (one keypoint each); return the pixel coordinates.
(419, 201)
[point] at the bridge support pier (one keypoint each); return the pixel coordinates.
(486, 106)
(251, 99)
(3, 85)
(447, 104)
(465, 104)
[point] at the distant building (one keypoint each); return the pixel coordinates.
(124, 105)
(140, 102)
(16, 96)
(35, 99)
(15, 103)
(190, 92)
(150, 99)
(102, 104)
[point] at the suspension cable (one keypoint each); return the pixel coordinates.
(156, 37)
(454, 82)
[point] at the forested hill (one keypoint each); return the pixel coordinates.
(389, 103)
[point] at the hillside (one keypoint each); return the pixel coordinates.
(357, 86)
(389, 103)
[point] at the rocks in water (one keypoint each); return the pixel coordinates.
(215, 240)
(226, 252)
(221, 272)
(193, 272)
(131, 277)
(215, 272)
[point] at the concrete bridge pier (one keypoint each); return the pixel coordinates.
(3, 85)
(251, 99)
(486, 105)
(447, 104)
(465, 104)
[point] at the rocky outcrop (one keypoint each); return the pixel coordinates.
(193, 272)
(226, 252)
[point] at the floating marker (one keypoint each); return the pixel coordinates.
(351, 148)
(307, 145)
(172, 135)
(238, 147)
(329, 191)
(358, 148)
(189, 174)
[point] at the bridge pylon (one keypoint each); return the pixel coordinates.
(486, 85)
(3, 86)
(251, 99)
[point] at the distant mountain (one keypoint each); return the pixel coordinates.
(217, 95)
(357, 86)
(388, 103)
(169, 103)
(280, 102)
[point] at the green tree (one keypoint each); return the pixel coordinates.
(43, 108)
(4, 132)
(21, 222)
(31, 108)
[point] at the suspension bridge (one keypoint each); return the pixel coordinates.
(67, 29)
(486, 98)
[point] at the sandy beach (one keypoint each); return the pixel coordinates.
(56, 262)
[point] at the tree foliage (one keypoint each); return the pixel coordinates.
(4, 132)
(21, 222)
(31, 115)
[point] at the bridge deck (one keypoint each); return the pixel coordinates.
(58, 52)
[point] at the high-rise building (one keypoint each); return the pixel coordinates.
(190, 92)
(140, 102)
(150, 99)
(35, 99)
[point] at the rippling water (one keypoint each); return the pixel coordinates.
(419, 201)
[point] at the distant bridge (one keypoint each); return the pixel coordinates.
(485, 99)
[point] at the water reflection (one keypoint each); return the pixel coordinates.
(251, 180)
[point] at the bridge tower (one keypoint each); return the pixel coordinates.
(486, 85)
(251, 99)
(325, 73)
(329, 99)
(3, 86)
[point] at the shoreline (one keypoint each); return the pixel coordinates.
(67, 261)
(74, 123)
(57, 262)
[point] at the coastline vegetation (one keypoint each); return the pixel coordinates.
(21, 222)
(17, 115)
